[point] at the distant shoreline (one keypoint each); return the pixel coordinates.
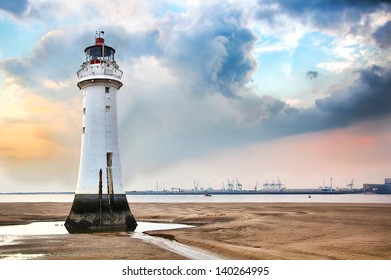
(28, 193)
(242, 192)
(222, 192)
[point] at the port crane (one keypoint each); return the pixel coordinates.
(230, 185)
(274, 186)
(350, 186)
(256, 186)
(239, 186)
(196, 184)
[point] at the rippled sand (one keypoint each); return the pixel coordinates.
(234, 231)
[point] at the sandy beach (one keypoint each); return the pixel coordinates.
(276, 231)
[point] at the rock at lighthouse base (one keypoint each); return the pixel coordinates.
(100, 213)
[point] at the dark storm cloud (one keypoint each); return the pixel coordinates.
(323, 13)
(312, 74)
(382, 36)
(212, 50)
(369, 97)
(15, 7)
(300, 6)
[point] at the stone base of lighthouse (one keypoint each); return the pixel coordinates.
(99, 213)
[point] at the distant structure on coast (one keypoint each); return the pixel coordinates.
(100, 202)
(236, 188)
(379, 188)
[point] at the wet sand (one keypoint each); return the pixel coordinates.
(278, 231)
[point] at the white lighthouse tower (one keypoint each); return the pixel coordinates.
(100, 202)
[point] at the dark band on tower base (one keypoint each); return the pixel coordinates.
(100, 212)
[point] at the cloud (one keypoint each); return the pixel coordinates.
(134, 44)
(329, 5)
(194, 127)
(341, 153)
(347, 28)
(129, 15)
(312, 74)
(368, 97)
(187, 92)
(51, 59)
(324, 13)
(382, 36)
(15, 7)
(40, 121)
(350, 22)
(210, 49)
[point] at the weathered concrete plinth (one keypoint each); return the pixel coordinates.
(100, 213)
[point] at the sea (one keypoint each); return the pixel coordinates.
(231, 198)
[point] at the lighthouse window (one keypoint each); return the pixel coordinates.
(107, 89)
(108, 109)
(84, 111)
(95, 53)
(84, 130)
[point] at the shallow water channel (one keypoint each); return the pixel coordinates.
(10, 235)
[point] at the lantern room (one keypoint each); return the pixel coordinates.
(99, 52)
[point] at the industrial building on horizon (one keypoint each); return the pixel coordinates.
(379, 188)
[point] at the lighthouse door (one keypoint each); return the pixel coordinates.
(109, 158)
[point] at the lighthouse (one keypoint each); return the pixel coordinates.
(100, 202)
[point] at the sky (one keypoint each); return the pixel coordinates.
(267, 90)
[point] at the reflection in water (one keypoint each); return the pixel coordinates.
(50, 228)
(176, 247)
(20, 256)
(36, 228)
(8, 240)
(10, 235)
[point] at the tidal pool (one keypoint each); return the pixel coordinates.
(10, 235)
(49, 228)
